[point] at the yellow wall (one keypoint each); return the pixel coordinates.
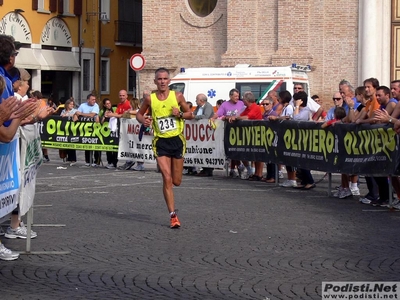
(37, 20)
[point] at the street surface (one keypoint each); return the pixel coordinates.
(238, 240)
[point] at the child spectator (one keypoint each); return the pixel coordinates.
(339, 115)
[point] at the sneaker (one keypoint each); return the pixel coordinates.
(345, 193)
(138, 167)
(289, 183)
(378, 202)
(240, 170)
(336, 192)
(175, 222)
(46, 160)
(86, 165)
(232, 174)
(72, 164)
(355, 191)
(95, 165)
(396, 207)
(365, 200)
(7, 254)
(19, 232)
(185, 171)
(280, 174)
(385, 204)
(110, 166)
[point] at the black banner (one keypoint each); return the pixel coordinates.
(63, 133)
(342, 148)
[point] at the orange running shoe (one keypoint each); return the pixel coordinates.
(175, 222)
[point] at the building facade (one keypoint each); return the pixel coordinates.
(351, 40)
(76, 47)
(72, 47)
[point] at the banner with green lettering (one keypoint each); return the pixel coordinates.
(63, 133)
(342, 148)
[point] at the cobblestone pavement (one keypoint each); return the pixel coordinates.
(238, 240)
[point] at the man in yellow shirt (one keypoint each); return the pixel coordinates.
(167, 111)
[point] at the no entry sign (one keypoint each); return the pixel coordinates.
(137, 62)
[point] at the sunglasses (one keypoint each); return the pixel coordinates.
(265, 104)
(298, 88)
(336, 99)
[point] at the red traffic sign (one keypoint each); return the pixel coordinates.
(137, 62)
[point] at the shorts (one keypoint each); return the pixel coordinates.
(172, 147)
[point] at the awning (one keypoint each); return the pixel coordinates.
(26, 59)
(59, 61)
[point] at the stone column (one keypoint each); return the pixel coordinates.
(374, 40)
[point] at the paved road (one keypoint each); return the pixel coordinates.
(239, 239)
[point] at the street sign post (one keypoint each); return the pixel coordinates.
(137, 63)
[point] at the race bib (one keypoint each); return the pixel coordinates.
(166, 124)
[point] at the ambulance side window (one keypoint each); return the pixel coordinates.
(179, 87)
(260, 88)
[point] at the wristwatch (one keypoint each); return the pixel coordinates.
(390, 120)
(181, 114)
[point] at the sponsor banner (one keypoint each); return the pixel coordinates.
(31, 159)
(130, 148)
(204, 147)
(9, 176)
(63, 133)
(343, 148)
(360, 290)
(204, 144)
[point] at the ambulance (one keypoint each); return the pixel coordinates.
(216, 83)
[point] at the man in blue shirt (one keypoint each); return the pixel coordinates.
(89, 109)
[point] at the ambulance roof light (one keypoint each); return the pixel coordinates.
(182, 70)
(305, 68)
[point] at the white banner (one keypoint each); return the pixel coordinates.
(204, 147)
(9, 176)
(31, 159)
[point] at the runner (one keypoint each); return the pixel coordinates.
(168, 110)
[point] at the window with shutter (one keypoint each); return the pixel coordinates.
(78, 7)
(60, 7)
(53, 5)
(35, 4)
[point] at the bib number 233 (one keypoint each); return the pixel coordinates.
(166, 124)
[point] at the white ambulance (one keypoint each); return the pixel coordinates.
(216, 83)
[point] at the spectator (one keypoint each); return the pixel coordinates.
(122, 107)
(276, 106)
(189, 170)
(252, 112)
(318, 100)
(269, 112)
(204, 110)
(303, 113)
(112, 157)
(226, 111)
(368, 116)
(339, 115)
(287, 114)
(11, 122)
(135, 106)
(337, 102)
(69, 112)
(89, 109)
(313, 106)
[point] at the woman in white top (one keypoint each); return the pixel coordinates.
(68, 112)
(286, 114)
